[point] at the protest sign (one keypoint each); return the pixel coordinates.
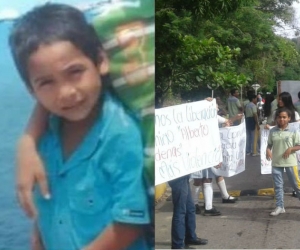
(266, 166)
(233, 141)
(186, 140)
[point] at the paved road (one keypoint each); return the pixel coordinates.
(243, 225)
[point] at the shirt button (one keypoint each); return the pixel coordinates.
(62, 175)
(60, 222)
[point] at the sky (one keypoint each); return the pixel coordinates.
(288, 31)
(13, 8)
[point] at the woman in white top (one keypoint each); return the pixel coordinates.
(285, 100)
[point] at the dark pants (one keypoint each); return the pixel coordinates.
(184, 220)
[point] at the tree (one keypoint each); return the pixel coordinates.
(178, 59)
(221, 43)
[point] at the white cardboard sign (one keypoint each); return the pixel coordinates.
(186, 140)
(233, 141)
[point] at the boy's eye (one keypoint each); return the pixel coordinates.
(76, 71)
(45, 82)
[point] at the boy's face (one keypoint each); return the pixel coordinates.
(283, 119)
(64, 80)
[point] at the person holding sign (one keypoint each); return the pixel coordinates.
(98, 197)
(183, 221)
(282, 146)
(251, 124)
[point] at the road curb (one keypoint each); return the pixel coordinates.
(238, 193)
(247, 192)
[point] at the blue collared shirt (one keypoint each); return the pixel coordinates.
(99, 184)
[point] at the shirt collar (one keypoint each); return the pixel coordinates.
(92, 139)
(286, 129)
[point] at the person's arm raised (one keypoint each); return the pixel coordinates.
(30, 168)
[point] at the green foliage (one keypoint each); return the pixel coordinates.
(207, 63)
(222, 44)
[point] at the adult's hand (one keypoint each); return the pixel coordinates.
(209, 99)
(219, 165)
(30, 170)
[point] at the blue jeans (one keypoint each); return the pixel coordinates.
(278, 183)
(250, 141)
(184, 220)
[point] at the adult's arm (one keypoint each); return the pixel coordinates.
(30, 168)
(36, 240)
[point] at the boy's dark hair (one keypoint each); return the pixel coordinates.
(233, 91)
(47, 24)
(251, 97)
(283, 109)
(249, 93)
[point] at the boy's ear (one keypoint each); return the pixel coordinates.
(103, 67)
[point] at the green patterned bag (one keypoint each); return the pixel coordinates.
(126, 30)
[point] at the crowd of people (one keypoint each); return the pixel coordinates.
(270, 112)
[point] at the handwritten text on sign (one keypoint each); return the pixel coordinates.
(186, 140)
(266, 166)
(233, 141)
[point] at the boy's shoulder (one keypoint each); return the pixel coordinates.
(115, 116)
(272, 130)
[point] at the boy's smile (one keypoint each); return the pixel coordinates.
(64, 80)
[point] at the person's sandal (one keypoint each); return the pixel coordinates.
(230, 199)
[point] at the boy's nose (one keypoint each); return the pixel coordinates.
(68, 96)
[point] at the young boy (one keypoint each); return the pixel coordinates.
(92, 148)
(283, 142)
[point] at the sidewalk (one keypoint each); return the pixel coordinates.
(245, 224)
